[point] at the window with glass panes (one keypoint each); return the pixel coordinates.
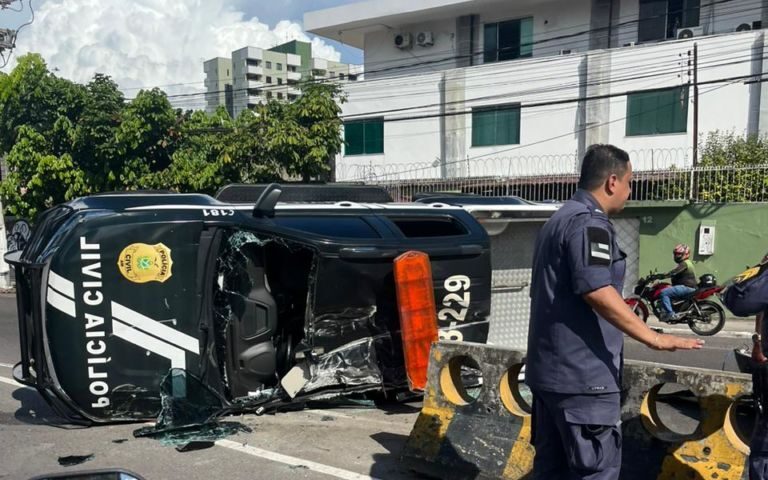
(508, 40)
(498, 125)
(364, 137)
(654, 112)
(660, 19)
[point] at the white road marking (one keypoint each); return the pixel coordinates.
(293, 461)
(6, 365)
(11, 381)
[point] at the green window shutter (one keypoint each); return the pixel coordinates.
(526, 37)
(354, 138)
(680, 117)
(496, 126)
(364, 137)
(374, 136)
(483, 128)
(657, 112)
(490, 43)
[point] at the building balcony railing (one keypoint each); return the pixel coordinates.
(254, 70)
(294, 76)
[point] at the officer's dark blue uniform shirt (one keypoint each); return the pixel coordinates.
(571, 349)
(748, 295)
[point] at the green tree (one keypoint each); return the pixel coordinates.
(733, 177)
(145, 137)
(202, 160)
(30, 95)
(95, 146)
(37, 179)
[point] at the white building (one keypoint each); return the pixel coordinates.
(258, 75)
(457, 88)
(218, 83)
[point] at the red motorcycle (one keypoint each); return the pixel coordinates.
(703, 316)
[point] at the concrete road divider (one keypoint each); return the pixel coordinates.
(678, 423)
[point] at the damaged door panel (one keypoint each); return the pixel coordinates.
(265, 304)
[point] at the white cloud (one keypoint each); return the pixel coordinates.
(148, 42)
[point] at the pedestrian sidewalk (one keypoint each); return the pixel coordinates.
(736, 327)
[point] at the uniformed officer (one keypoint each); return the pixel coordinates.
(747, 294)
(578, 317)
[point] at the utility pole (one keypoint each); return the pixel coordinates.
(695, 104)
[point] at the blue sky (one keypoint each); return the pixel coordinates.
(269, 12)
(294, 10)
(148, 43)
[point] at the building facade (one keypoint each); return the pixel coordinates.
(461, 88)
(218, 84)
(259, 75)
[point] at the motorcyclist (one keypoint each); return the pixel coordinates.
(747, 294)
(683, 281)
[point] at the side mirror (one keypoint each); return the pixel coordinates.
(265, 204)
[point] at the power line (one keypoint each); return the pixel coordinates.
(472, 54)
(517, 147)
(500, 70)
(555, 88)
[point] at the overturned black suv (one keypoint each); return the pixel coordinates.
(116, 290)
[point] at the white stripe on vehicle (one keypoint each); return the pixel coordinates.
(603, 246)
(152, 344)
(303, 206)
(293, 461)
(153, 327)
(601, 255)
(61, 303)
(61, 284)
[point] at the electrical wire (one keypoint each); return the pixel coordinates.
(517, 147)
(544, 40)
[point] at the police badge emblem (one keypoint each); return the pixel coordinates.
(142, 263)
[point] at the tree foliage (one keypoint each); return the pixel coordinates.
(722, 183)
(61, 139)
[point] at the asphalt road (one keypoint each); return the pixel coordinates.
(348, 443)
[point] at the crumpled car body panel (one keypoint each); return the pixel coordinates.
(115, 291)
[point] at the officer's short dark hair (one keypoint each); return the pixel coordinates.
(600, 162)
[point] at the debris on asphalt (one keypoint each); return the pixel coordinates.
(196, 445)
(120, 440)
(73, 460)
(189, 414)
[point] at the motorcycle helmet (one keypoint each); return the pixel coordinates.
(707, 280)
(681, 252)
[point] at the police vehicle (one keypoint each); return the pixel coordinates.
(115, 290)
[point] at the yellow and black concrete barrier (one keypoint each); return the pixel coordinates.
(678, 423)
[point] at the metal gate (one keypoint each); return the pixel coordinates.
(511, 261)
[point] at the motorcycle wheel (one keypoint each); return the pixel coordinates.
(712, 322)
(638, 308)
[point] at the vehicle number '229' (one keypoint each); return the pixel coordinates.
(456, 304)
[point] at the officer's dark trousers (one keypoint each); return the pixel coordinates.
(576, 436)
(758, 458)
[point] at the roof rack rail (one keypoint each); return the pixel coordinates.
(306, 193)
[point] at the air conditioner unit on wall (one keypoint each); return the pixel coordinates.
(689, 32)
(745, 27)
(425, 39)
(403, 40)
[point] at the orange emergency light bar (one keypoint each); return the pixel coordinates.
(418, 316)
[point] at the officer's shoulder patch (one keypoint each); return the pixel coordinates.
(599, 246)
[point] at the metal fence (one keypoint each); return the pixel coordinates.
(652, 159)
(700, 184)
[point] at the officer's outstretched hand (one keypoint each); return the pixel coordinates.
(670, 343)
